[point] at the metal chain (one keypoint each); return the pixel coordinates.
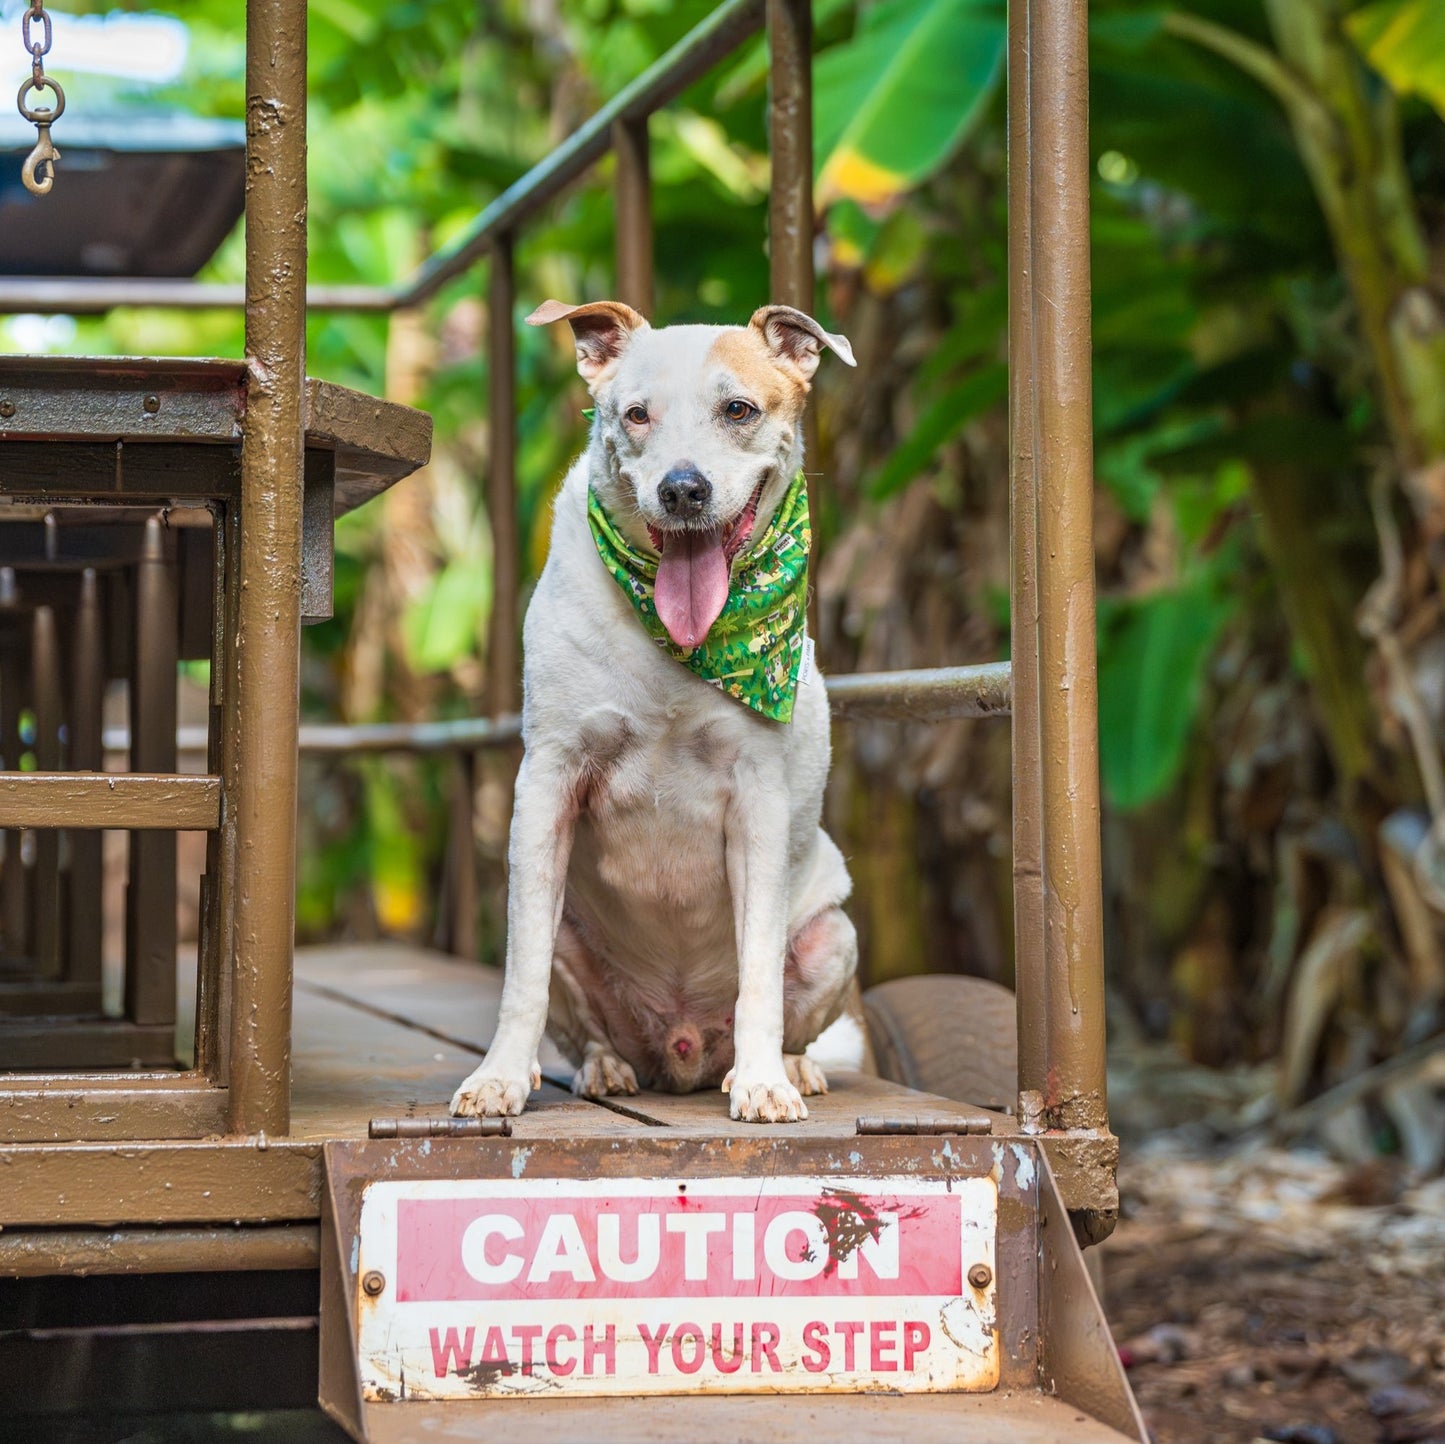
(38, 173)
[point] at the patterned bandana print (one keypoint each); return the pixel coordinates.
(754, 651)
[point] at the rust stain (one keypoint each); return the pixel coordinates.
(849, 1221)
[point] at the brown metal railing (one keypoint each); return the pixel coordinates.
(1050, 686)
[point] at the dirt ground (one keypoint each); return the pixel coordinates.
(1264, 1294)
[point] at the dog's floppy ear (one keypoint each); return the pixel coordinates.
(796, 337)
(601, 329)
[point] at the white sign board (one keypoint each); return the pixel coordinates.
(642, 1286)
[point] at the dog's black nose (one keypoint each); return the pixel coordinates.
(684, 491)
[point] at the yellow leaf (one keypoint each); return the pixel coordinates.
(850, 176)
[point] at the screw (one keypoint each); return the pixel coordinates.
(980, 1276)
(373, 1282)
(7, 409)
(152, 404)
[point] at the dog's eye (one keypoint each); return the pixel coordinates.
(637, 415)
(740, 410)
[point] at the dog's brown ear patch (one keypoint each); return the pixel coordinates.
(601, 330)
(795, 337)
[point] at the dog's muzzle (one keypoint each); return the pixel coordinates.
(684, 493)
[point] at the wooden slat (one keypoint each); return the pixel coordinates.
(241, 1180)
(457, 1002)
(132, 801)
(352, 1063)
(84, 1043)
(43, 997)
(109, 1108)
(1021, 1418)
(41, 1252)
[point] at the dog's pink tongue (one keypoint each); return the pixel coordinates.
(692, 584)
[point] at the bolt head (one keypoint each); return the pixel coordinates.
(980, 1276)
(372, 1282)
(152, 404)
(7, 409)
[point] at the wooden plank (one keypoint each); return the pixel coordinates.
(177, 801)
(1020, 1418)
(84, 1043)
(35, 1254)
(242, 1180)
(107, 1110)
(352, 1064)
(112, 470)
(444, 995)
(49, 997)
(59, 398)
(458, 1001)
(376, 442)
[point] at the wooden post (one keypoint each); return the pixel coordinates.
(86, 713)
(634, 214)
(150, 963)
(45, 671)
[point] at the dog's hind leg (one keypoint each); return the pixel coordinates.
(821, 960)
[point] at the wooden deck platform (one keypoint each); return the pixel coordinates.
(379, 1031)
(387, 1030)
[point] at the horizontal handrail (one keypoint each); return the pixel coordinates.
(88, 296)
(929, 694)
(925, 695)
(728, 27)
(180, 802)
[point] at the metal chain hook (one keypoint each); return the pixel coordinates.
(38, 172)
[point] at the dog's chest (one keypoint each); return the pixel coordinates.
(653, 804)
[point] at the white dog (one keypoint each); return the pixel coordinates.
(670, 885)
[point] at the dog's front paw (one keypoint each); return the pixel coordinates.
(603, 1073)
(761, 1098)
(491, 1094)
(804, 1074)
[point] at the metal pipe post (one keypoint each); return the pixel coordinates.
(634, 214)
(503, 642)
(150, 964)
(1028, 896)
(1075, 1094)
(86, 755)
(790, 141)
(45, 665)
(790, 196)
(262, 806)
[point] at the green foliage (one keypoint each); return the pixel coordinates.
(444, 625)
(1154, 651)
(1405, 41)
(899, 98)
(938, 423)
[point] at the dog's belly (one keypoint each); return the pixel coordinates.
(649, 905)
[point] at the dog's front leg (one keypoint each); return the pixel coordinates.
(543, 818)
(756, 835)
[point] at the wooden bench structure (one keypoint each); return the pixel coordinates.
(157, 511)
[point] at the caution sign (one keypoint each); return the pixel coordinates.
(553, 1286)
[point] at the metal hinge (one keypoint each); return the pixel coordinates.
(915, 1124)
(440, 1128)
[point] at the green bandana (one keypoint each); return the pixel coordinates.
(754, 651)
